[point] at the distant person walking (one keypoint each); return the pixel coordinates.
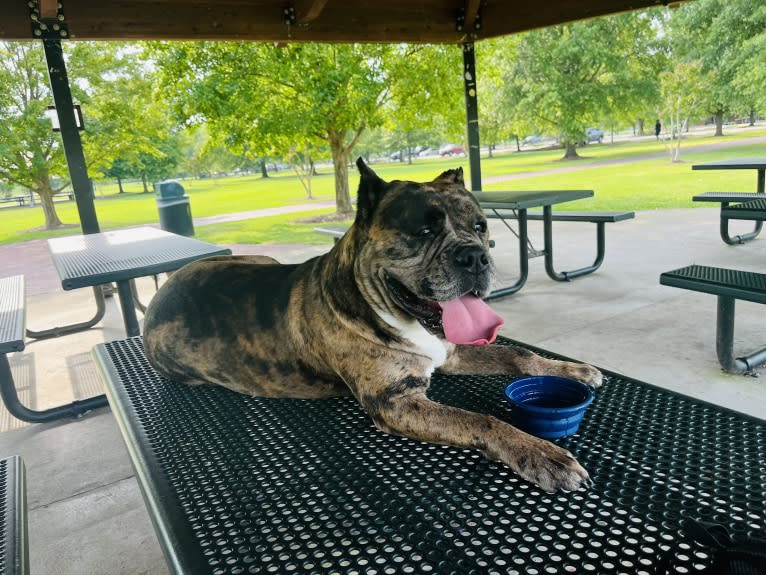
(657, 130)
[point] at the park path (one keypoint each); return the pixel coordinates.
(262, 213)
(586, 164)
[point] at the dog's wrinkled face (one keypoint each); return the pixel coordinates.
(423, 243)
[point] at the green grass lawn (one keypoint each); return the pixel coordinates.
(631, 182)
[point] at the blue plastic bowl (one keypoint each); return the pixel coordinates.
(548, 406)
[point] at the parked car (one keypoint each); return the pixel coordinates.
(451, 150)
(531, 140)
(593, 135)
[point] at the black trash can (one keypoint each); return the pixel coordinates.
(173, 206)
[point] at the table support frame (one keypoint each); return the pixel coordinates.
(548, 242)
(98, 293)
(20, 411)
(724, 341)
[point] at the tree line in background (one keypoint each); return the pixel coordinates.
(159, 109)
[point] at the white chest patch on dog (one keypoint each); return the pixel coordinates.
(426, 343)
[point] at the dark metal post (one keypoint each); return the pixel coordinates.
(472, 114)
(78, 172)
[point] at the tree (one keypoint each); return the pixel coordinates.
(499, 116)
(684, 91)
(416, 109)
(722, 36)
(108, 80)
(29, 150)
(130, 128)
(271, 99)
(565, 77)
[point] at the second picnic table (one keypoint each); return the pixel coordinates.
(514, 205)
(738, 206)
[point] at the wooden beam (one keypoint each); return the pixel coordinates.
(49, 9)
(324, 21)
(471, 13)
(306, 11)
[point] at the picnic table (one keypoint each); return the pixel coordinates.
(120, 256)
(20, 200)
(239, 484)
(738, 206)
(514, 205)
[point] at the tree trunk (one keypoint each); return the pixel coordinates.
(340, 156)
(570, 151)
(752, 118)
(146, 184)
(719, 123)
(489, 149)
(49, 210)
(264, 173)
(640, 126)
(119, 185)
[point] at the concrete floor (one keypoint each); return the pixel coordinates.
(86, 514)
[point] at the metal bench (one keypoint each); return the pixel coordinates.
(14, 546)
(737, 206)
(20, 200)
(12, 322)
(336, 232)
(729, 285)
(598, 218)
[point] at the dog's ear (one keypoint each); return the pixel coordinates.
(451, 177)
(371, 190)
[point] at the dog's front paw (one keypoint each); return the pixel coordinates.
(548, 466)
(583, 372)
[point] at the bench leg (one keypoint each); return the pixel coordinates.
(724, 341)
(523, 237)
(22, 412)
(566, 276)
(75, 327)
(741, 239)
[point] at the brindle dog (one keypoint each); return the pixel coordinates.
(369, 319)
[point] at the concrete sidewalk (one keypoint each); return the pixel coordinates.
(86, 511)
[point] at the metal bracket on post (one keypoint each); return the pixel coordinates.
(44, 23)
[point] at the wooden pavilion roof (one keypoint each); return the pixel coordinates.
(437, 21)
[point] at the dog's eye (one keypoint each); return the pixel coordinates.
(425, 232)
(480, 227)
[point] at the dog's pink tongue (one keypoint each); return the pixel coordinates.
(468, 320)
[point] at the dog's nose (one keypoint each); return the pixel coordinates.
(472, 259)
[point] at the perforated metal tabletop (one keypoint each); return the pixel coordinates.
(120, 255)
(246, 485)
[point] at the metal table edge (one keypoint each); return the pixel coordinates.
(521, 204)
(733, 197)
(18, 344)
(103, 278)
(141, 459)
(758, 164)
(16, 518)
